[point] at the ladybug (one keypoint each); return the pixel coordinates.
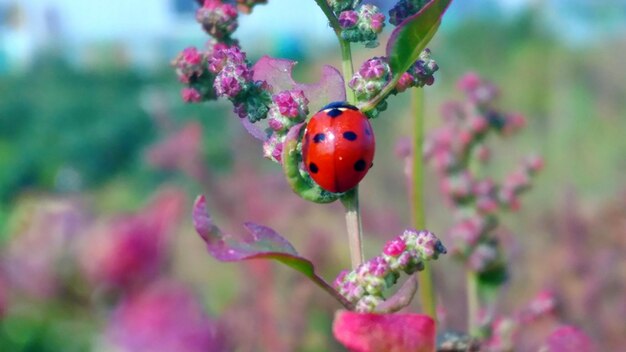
(338, 147)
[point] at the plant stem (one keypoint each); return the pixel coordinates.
(347, 69)
(326, 287)
(351, 199)
(427, 290)
(353, 223)
(381, 96)
(472, 302)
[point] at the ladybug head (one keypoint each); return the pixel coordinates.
(339, 104)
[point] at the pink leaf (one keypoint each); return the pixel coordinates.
(261, 242)
(278, 74)
(368, 332)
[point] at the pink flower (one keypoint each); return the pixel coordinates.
(470, 81)
(348, 19)
(191, 56)
(568, 339)
(164, 317)
(376, 68)
(394, 247)
(32, 256)
(131, 250)
(191, 95)
(367, 332)
(180, 150)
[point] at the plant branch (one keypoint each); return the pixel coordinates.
(371, 104)
(338, 296)
(332, 19)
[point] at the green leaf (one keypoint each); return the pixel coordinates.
(411, 36)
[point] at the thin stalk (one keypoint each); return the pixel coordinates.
(347, 69)
(353, 223)
(382, 95)
(473, 305)
(326, 287)
(427, 289)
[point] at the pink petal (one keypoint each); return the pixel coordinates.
(368, 332)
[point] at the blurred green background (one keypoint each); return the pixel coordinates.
(86, 91)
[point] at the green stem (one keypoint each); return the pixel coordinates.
(332, 19)
(330, 290)
(351, 199)
(347, 69)
(473, 304)
(427, 289)
(353, 223)
(346, 52)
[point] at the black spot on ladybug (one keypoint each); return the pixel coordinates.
(334, 113)
(313, 168)
(339, 104)
(359, 165)
(368, 132)
(371, 165)
(319, 138)
(351, 136)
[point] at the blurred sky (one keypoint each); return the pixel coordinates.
(146, 27)
(116, 19)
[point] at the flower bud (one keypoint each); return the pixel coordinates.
(218, 19)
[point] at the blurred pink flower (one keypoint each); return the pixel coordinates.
(367, 332)
(131, 249)
(180, 150)
(164, 317)
(35, 258)
(568, 339)
(3, 296)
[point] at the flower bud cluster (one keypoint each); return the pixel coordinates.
(404, 9)
(191, 70)
(371, 78)
(362, 25)
(407, 253)
(217, 18)
(375, 73)
(518, 181)
(222, 70)
(339, 5)
(287, 109)
(420, 74)
(505, 331)
(456, 150)
(245, 6)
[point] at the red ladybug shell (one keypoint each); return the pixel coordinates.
(338, 147)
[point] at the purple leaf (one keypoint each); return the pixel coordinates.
(278, 74)
(262, 242)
